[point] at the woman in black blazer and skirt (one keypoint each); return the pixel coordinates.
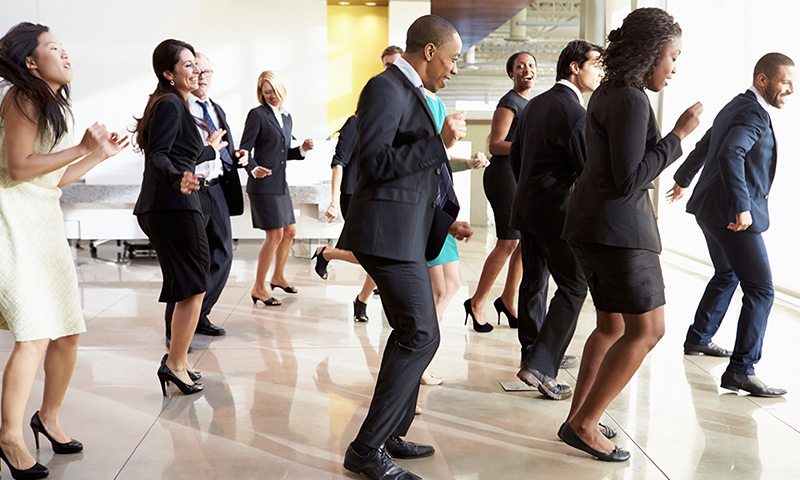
(610, 222)
(167, 210)
(267, 136)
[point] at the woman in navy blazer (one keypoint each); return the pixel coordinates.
(267, 136)
(610, 222)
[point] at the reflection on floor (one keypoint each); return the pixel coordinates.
(288, 387)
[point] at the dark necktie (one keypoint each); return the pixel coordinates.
(445, 189)
(224, 155)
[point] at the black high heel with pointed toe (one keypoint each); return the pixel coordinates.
(35, 472)
(73, 446)
(568, 435)
(480, 328)
(195, 375)
(500, 307)
(165, 375)
(321, 267)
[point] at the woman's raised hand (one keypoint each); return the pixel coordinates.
(215, 140)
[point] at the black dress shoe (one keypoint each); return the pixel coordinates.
(573, 440)
(210, 329)
(569, 361)
(376, 465)
(321, 266)
(547, 386)
(751, 384)
(712, 350)
(399, 448)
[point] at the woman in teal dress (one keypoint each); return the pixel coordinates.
(444, 272)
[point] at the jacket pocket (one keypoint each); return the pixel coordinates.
(394, 194)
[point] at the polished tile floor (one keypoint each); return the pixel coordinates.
(288, 387)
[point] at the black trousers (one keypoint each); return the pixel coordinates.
(532, 299)
(558, 327)
(407, 299)
(217, 223)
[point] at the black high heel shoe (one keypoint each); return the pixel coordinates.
(166, 375)
(500, 307)
(195, 375)
(475, 325)
(321, 267)
(36, 471)
(73, 446)
(270, 302)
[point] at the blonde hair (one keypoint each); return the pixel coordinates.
(275, 82)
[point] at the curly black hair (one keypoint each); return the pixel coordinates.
(634, 49)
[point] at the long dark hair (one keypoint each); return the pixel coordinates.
(165, 57)
(54, 107)
(634, 49)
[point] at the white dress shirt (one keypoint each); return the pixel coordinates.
(761, 100)
(213, 168)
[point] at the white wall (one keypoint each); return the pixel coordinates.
(111, 49)
(716, 64)
(402, 14)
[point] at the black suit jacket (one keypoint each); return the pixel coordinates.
(610, 204)
(269, 146)
(740, 160)
(547, 155)
(231, 186)
(393, 212)
(174, 147)
(346, 154)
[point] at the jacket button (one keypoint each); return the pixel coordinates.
(766, 197)
(433, 204)
(438, 171)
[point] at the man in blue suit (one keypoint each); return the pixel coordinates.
(730, 205)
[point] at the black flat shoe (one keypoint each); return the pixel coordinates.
(270, 302)
(195, 375)
(73, 446)
(36, 471)
(480, 328)
(360, 311)
(500, 307)
(750, 384)
(711, 350)
(605, 430)
(321, 267)
(165, 375)
(287, 288)
(573, 440)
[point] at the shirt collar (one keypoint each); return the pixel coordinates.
(192, 98)
(572, 87)
(761, 100)
(278, 111)
(409, 71)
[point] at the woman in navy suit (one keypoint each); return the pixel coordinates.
(610, 223)
(268, 135)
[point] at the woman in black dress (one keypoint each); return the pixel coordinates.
(167, 209)
(267, 136)
(610, 222)
(500, 186)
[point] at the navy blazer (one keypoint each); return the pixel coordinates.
(740, 160)
(269, 146)
(547, 155)
(346, 154)
(610, 204)
(175, 146)
(393, 212)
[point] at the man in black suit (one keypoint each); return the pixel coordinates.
(730, 204)
(401, 210)
(220, 196)
(547, 155)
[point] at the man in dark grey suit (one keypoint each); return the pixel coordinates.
(220, 196)
(401, 210)
(730, 204)
(547, 155)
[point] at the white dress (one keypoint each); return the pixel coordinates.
(39, 295)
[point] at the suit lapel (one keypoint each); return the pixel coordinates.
(416, 91)
(274, 121)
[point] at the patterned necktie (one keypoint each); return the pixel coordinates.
(227, 161)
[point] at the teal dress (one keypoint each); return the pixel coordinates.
(449, 251)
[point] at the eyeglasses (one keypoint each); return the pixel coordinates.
(206, 73)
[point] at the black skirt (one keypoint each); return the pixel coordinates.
(622, 280)
(179, 239)
(500, 187)
(271, 211)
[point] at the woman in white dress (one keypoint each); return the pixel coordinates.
(39, 300)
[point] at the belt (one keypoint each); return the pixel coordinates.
(204, 182)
